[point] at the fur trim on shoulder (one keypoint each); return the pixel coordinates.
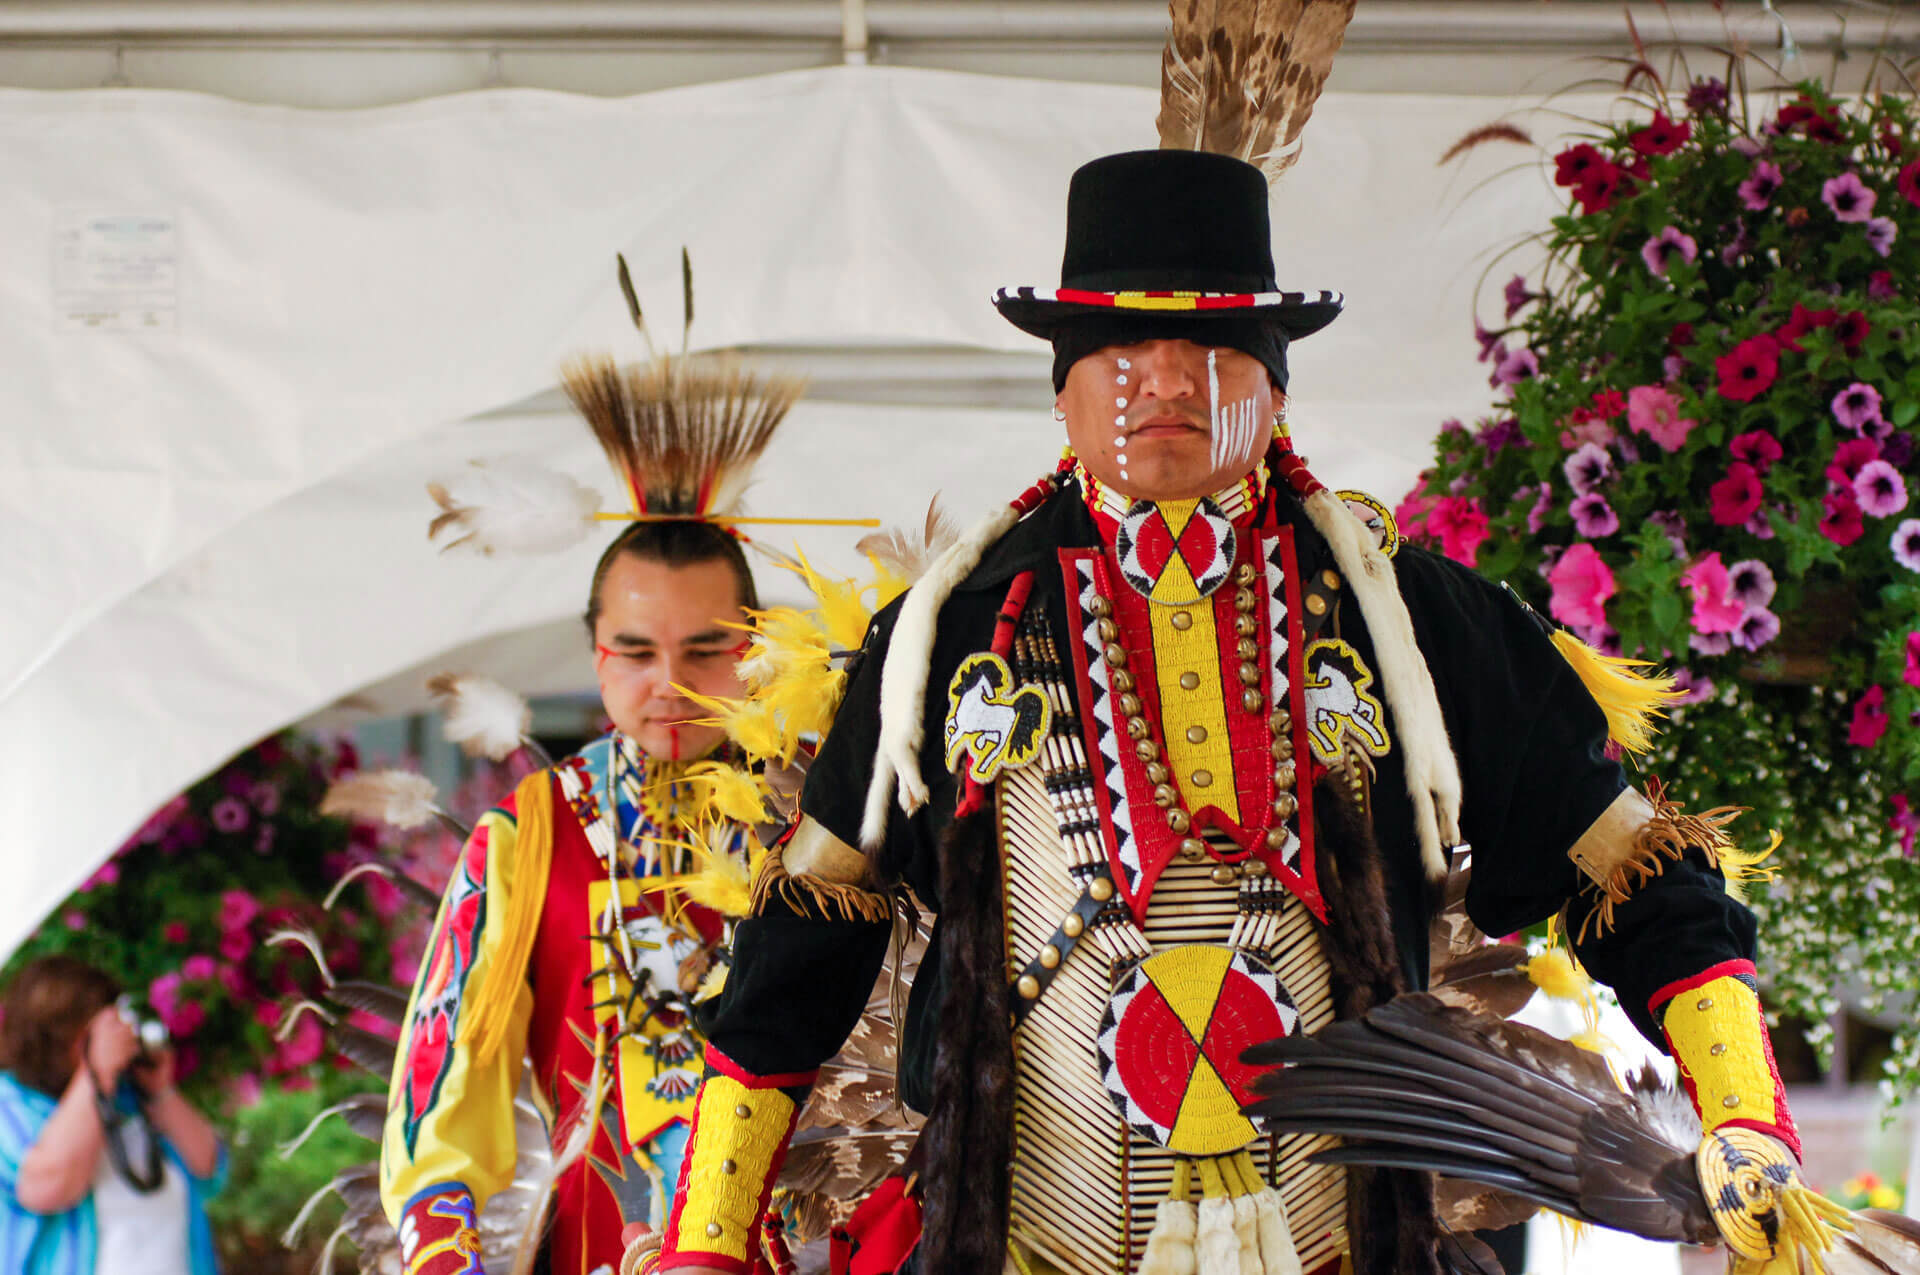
(1433, 774)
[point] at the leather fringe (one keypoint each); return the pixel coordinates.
(1393, 1226)
(969, 1135)
(815, 896)
(1663, 839)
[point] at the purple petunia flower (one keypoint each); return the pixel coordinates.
(1692, 687)
(1880, 234)
(1880, 490)
(1499, 435)
(1751, 147)
(229, 814)
(1737, 247)
(1542, 506)
(1750, 583)
(1489, 342)
(1673, 366)
(1711, 643)
(1516, 366)
(1659, 251)
(1880, 286)
(1629, 454)
(1896, 449)
(1878, 430)
(1757, 627)
(1906, 544)
(1761, 185)
(1587, 468)
(1849, 197)
(1674, 523)
(1706, 95)
(1760, 527)
(1593, 516)
(1517, 294)
(1857, 405)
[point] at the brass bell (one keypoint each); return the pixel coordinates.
(1250, 674)
(1223, 875)
(1121, 682)
(1245, 625)
(1282, 749)
(1243, 574)
(1137, 728)
(1283, 775)
(1107, 629)
(1114, 654)
(1156, 773)
(1247, 648)
(1276, 838)
(1192, 849)
(1130, 705)
(1243, 600)
(1100, 607)
(1164, 796)
(1178, 821)
(1251, 700)
(1285, 805)
(1146, 750)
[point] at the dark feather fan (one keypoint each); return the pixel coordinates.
(1240, 77)
(1418, 1084)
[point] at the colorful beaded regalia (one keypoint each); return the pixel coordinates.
(1181, 777)
(588, 912)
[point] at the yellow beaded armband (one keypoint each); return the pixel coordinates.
(1718, 1037)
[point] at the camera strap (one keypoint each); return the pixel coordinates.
(113, 1121)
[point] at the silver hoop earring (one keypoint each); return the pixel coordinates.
(1059, 415)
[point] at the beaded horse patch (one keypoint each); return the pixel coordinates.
(995, 724)
(1339, 708)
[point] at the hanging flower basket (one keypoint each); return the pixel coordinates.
(1703, 451)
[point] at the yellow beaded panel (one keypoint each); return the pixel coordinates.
(647, 1101)
(1193, 722)
(1719, 1043)
(1084, 1186)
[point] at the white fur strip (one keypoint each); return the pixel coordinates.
(1246, 1230)
(1277, 1254)
(1433, 775)
(903, 681)
(1170, 1246)
(1217, 1244)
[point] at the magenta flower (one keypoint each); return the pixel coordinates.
(1758, 190)
(1750, 583)
(1587, 468)
(1461, 526)
(1735, 498)
(1490, 342)
(1881, 233)
(1912, 675)
(176, 932)
(1659, 252)
(1542, 506)
(1758, 448)
(1906, 544)
(1593, 517)
(1841, 522)
(1850, 199)
(1516, 366)
(1674, 524)
(1848, 457)
(1582, 582)
(1880, 286)
(1760, 527)
(1904, 822)
(230, 814)
(237, 910)
(1869, 719)
(1711, 643)
(265, 797)
(1757, 627)
(198, 967)
(1655, 412)
(1692, 688)
(1714, 608)
(1517, 294)
(1880, 490)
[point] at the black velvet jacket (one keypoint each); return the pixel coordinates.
(1531, 748)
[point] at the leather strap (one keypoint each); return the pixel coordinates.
(1087, 908)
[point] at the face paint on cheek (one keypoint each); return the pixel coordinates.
(673, 742)
(1120, 421)
(1233, 427)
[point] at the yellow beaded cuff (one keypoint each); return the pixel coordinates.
(1718, 1037)
(741, 1125)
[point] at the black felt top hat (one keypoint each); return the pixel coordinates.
(1170, 234)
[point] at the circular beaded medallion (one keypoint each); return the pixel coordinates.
(1172, 569)
(1170, 1044)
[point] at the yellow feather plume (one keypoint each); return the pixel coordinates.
(781, 638)
(805, 697)
(1554, 972)
(728, 791)
(1742, 867)
(1629, 699)
(843, 613)
(722, 883)
(748, 723)
(888, 583)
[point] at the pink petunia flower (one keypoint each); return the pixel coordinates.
(1587, 468)
(1880, 286)
(1848, 457)
(1593, 517)
(1757, 627)
(1848, 197)
(164, 993)
(1735, 498)
(1597, 432)
(1660, 251)
(1758, 448)
(1904, 822)
(175, 932)
(1757, 191)
(1582, 582)
(230, 814)
(1517, 294)
(1692, 687)
(1542, 506)
(1655, 412)
(1881, 232)
(1879, 489)
(237, 909)
(1912, 675)
(1516, 366)
(1711, 643)
(1869, 719)
(1461, 526)
(1751, 583)
(1749, 369)
(1715, 610)
(198, 967)
(1905, 542)
(1857, 405)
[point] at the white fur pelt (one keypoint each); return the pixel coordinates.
(1217, 1242)
(1277, 1253)
(1170, 1245)
(903, 680)
(1433, 774)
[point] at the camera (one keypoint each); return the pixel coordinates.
(147, 1028)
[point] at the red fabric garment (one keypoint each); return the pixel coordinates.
(880, 1235)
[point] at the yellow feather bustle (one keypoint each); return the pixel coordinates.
(1630, 700)
(723, 882)
(730, 792)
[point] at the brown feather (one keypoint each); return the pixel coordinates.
(1487, 133)
(686, 431)
(909, 555)
(1240, 77)
(1468, 1206)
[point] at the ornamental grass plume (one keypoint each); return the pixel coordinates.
(1720, 331)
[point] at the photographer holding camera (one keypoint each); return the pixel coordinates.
(105, 1166)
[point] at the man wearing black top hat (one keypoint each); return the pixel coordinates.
(1264, 728)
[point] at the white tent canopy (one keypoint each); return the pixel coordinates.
(217, 527)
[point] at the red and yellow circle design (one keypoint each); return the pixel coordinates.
(1170, 1045)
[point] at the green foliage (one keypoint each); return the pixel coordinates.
(1701, 456)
